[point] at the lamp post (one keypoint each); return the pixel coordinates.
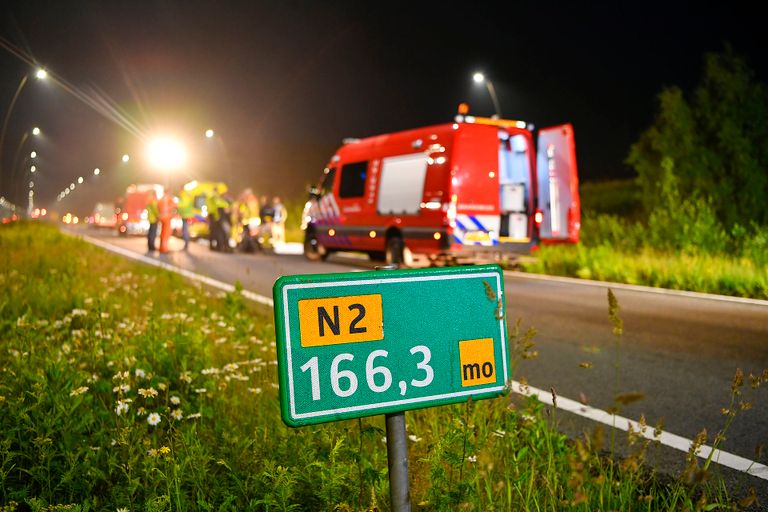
(480, 78)
(40, 74)
(210, 134)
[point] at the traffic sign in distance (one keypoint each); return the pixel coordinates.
(359, 344)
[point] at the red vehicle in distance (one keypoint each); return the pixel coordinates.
(132, 217)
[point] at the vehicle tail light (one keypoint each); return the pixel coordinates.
(538, 217)
(125, 216)
(450, 211)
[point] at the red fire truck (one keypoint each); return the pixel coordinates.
(477, 188)
(132, 208)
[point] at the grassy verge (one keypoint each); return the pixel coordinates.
(124, 387)
(708, 273)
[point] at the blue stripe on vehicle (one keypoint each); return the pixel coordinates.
(460, 225)
(477, 223)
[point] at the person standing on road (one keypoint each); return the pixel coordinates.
(165, 209)
(186, 208)
(278, 221)
(152, 217)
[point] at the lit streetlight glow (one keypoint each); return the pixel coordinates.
(96, 171)
(33, 154)
(209, 133)
(41, 74)
(32, 169)
(480, 78)
(35, 131)
(80, 180)
(126, 158)
(166, 153)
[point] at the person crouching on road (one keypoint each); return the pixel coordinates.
(166, 208)
(152, 217)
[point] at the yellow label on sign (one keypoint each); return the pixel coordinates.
(335, 320)
(477, 362)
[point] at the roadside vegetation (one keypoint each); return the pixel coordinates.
(125, 388)
(695, 218)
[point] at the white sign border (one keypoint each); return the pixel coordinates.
(405, 401)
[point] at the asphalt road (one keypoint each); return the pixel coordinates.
(680, 352)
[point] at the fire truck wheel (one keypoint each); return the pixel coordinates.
(313, 249)
(395, 248)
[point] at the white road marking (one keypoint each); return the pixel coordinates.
(261, 299)
(666, 438)
(635, 288)
(683, 444)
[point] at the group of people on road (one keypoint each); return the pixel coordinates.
(247, 221)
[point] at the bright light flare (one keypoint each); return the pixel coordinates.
(41, 74)
(126, 158)
(33, 154)
(80, 180)
(166, 153)
(209, 133)
(478, 77)
(35, 131)
(96, 171)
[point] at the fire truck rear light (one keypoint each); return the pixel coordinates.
(331, 232)
(372, 234)
(437, 236)
(125, 216)
(538, 217)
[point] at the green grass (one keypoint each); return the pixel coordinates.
(95, 350)
(685, 249)
(706, 273)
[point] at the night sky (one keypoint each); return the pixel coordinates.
(282, 83)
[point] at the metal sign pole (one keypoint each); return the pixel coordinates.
(397, 461)
(397, 453)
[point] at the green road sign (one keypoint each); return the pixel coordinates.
(358, 344)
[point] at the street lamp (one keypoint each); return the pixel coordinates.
(480, 78)
(40, 74)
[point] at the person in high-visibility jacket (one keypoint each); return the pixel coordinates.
(165, 208)
(186, 211)
(152, 217)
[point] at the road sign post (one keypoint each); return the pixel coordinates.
(359, 344)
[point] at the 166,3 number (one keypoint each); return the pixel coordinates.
(344, 383)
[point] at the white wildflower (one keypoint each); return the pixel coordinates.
(472, 458)
(122, 407)
(201, 391)
(177, 415)
(175, 400)
(153, 419)
(78, 391)
(148, 392)
(194, 416)
(140, 373)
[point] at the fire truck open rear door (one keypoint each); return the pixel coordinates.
(558, 186)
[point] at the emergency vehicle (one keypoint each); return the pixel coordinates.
(478, 188)
(198, 192)
(132, 208)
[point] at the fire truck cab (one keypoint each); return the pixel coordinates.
(477, 188)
